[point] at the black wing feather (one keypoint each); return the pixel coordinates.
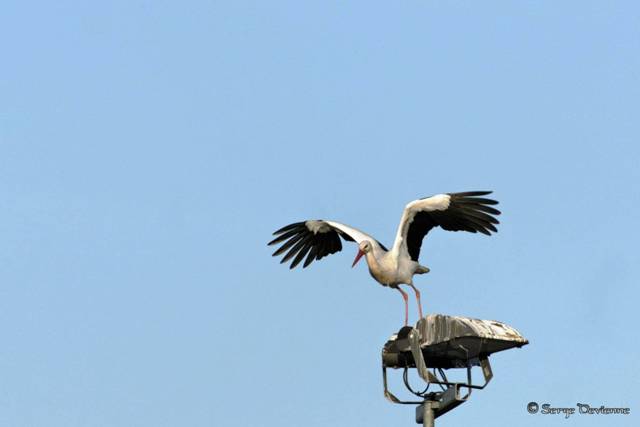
(292, 241)
(301, 254)
(284, 236)
(300, 241)
(296, 248)
(466, 212)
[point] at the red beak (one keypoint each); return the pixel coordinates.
(358, 256)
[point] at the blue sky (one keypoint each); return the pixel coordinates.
(149, 149)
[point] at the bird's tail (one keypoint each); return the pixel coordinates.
(422, 269)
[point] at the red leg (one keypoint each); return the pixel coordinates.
(406, 306)
(417, 298)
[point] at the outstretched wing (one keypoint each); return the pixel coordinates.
(315, 239)
(452, 211)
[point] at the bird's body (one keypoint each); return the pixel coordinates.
(390, 270)
(315, 239)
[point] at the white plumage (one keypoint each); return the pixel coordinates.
(315, 239)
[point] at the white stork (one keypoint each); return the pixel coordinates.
(316, 239)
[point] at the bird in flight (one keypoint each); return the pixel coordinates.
(314, 239)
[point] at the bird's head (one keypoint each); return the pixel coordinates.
(363, 248)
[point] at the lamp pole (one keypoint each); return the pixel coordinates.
(428, 419)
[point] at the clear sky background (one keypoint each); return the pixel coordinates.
(149, 148)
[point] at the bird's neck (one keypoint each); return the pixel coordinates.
(373, 260)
